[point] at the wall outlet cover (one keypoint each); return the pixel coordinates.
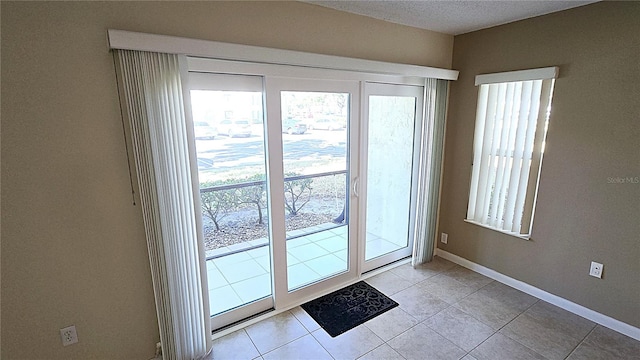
(596, 270)
(69, 335)
(444, 238)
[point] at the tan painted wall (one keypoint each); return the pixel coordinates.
(593, 136)
(73, 249)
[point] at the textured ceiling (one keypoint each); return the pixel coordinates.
(451, 17)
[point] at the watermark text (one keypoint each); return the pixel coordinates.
(623, 180)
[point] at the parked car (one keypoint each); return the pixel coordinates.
(204, 130)
(293, 126)
(233, 128)
(325, 124)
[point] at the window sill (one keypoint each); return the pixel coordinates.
(510, 233)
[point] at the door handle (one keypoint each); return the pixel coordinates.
(355, 186)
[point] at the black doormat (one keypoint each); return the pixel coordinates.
(344, 309)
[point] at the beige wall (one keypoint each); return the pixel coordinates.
(593, 136)
(73, 246)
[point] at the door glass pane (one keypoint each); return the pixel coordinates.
(389, 173)
(231, 165)
(315, 159)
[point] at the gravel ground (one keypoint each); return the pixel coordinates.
(245, 228)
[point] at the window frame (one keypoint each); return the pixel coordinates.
(547, 77)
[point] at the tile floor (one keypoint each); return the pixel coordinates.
(445, 312)
(244, 277)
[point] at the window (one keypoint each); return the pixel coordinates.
(511, 125)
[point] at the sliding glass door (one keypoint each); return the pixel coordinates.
(285, 215)
(228, 120)
(315, 184)
(310, 124)
(393, 116)
(275, 169)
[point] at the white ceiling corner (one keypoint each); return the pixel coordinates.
(453, 17)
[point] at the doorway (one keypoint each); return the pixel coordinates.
(393, 116)
(275, 169)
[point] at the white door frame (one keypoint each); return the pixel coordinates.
(279, 77)
(274, 85)
(369, 89)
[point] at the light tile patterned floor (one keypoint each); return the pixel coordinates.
(243, 277)
(445, 312)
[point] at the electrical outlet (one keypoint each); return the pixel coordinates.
(69, 335)
(444, 238)
(596, 269)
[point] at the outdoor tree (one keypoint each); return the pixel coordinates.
(217, 204)
(253, 194)
(297, 193)
(340, 101)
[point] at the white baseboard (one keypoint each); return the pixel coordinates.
(570, 306)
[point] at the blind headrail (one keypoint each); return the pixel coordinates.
(519, 75)
(129, 40)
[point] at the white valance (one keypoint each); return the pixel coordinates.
(519, 75)
(127, 40)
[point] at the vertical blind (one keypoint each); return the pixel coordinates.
(428, 197)
(151, 93)
(508, 145)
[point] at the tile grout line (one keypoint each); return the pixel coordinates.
(495, 331)
(510, 321)
(318, 341)
(443, 272)
(285, 344)
(457, 301)
(252, 342)
(420, 322)
(374, 349)
(288, 342)
(434, 330)
(437, 332)
(386, 342)
(582, 341)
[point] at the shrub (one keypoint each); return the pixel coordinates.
(217, 204)
(297, 193)
(254, 194)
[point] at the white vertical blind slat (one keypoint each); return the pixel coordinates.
(514, 205)
(537, 154)
(513, 114)
(500, 132)
(153, 95)
(482, 203)
(531, 121)
(477, 149)
(518, 153)
(505, 163)
(521, 122)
